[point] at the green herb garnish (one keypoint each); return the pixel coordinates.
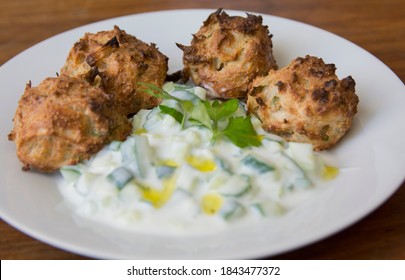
(172, 112)
(157, 92)
(241, 132)
(216, 116)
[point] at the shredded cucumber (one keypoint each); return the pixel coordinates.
(164, 171)
(258, 165)
(223, 164)
(136, 155)
(153, 119)
(300, 180)
(232, 210)
(174, 89)
(268, 208)
(237, 186)
(71, 173)
(120, 177)
(114, 145)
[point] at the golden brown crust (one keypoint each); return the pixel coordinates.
(305, 102)
(63, 121)
(227, 53)
(121, 61)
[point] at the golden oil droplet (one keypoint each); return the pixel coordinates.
(330, 172)
(168, 162)
(140, 131)
(159, 197)
(211, 203)
(201, 164)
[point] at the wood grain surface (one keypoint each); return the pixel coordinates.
(375, 25)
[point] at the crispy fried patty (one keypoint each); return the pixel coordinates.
(118, 62)
(227, 53)
(63, 121)
(305, 102)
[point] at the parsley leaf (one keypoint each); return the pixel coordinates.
(217, 110)
(240, 131)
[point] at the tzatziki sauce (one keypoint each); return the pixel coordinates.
(170, 176)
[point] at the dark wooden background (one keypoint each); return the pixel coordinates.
(375, 25)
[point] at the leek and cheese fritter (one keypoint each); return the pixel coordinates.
(63, 121)
(227, 53)
(119, 62)
(305, 102)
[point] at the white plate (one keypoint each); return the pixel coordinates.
(371, 155)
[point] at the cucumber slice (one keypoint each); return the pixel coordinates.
(200, 93)
(256, 164)
(153, 120)
(237, 186)
(71, 173)
(120, 177)
(232, 210)
(164, 171)
(301, 180)
(182, 91)
(268, 208)
(184, 94)
(222, 164)
(136, 155)
(114, 146)
(168, 87)
(302, 154)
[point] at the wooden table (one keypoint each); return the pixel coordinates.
(375, 25)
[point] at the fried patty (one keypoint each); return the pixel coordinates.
(118, 62)
(63, 121)
(305, 102)
(227, 53)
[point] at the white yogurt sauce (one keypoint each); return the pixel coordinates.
(173, 179)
